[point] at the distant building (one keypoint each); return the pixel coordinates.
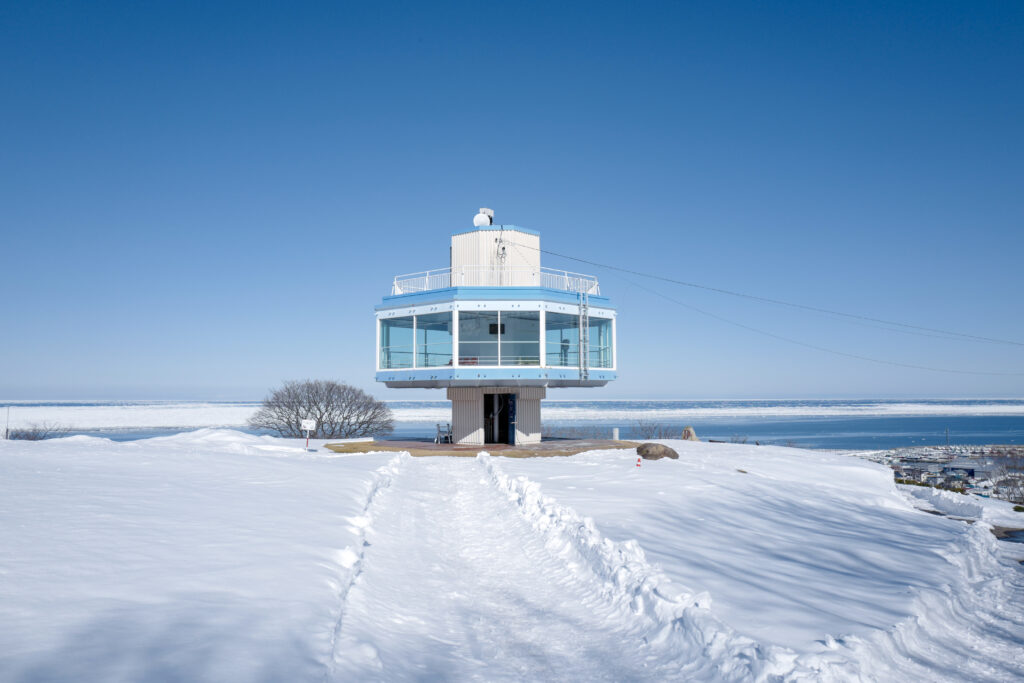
(496, 329)
(960, 468)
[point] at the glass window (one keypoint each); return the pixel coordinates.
(478, 337)
(433, 340)
(520, 337)
(396, 346)
(562, 339)
(599, 343)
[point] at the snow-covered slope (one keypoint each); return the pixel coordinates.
(206, 556)
(817, 554)
(220, 556)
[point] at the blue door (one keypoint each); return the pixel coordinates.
(512, 419)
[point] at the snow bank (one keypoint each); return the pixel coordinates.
(213, 555)
(969, 506)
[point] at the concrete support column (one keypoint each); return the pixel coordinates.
(468, 413)
(528, 426)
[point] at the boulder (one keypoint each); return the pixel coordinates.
(655, 451)
(690, 434)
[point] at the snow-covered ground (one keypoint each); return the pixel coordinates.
(215, 555)
(998, 513)
(206, 556)
(87, 416)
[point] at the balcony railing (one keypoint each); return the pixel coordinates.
(495, 276)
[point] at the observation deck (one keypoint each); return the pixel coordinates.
(495, 323)
(495, 276)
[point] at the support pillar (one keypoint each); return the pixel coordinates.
(468, 413)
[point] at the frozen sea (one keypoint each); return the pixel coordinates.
(835, 424)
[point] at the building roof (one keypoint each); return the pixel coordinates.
(496, 228)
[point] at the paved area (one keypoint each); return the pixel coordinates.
(547, 448)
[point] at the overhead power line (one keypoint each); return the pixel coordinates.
(790, 304)
(822, 348)
(797, 342)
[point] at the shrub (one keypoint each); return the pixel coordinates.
(646, 429)
(38, 432)
(341, 411)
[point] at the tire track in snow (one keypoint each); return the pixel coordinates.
(351, 559)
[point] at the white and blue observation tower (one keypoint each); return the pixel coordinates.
(496, 330)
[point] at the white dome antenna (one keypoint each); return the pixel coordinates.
(485, 217)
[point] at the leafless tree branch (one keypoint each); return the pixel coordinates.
(341, 411)
(38, 432)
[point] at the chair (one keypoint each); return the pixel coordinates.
(443, 435)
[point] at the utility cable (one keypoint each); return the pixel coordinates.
(821, 348)
(789, 340)
(780, 302)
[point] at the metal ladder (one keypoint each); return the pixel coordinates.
(584, 351)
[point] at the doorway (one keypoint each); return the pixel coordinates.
(500, 418)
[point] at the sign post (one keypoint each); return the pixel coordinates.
(308, 426)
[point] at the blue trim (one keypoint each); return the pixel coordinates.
(496, 228)
(477, 374)
(440, 296)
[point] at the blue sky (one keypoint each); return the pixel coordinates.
(200, 201)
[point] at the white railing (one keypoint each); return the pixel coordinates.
(422, 282)
(495, 276)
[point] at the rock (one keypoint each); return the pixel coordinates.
(655, 451)
(690, 434)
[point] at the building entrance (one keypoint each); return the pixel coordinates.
(500, 418)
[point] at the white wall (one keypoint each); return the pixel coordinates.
(475, 261)
(467, 414)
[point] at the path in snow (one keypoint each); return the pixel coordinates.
(461, 586)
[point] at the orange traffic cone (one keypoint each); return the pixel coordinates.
(638, 459)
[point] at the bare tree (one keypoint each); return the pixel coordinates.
(1008, 475)
(648, 429)
(38, 432)
(341, 411)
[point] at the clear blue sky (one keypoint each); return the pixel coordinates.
(199, 200)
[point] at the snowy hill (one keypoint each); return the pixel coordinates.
(216, 555)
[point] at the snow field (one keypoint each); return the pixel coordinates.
(456, 585)
(139, 415)
(216, 555)
(208, 556)
(190, 415)
(818, 558)
(677, 622)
